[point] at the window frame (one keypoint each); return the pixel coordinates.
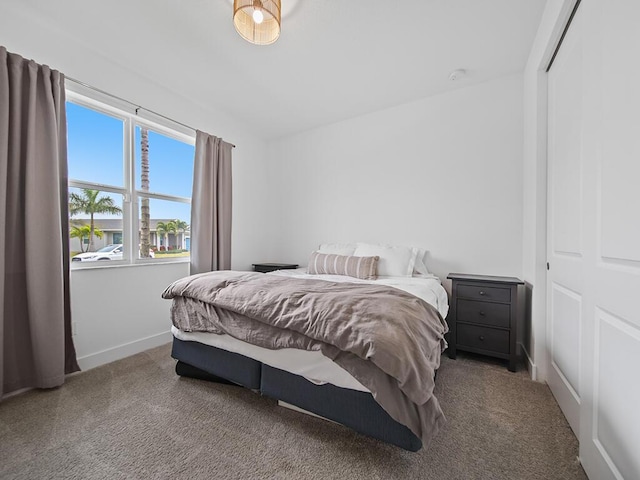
(131, 118)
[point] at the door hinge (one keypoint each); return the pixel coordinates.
(547, 265)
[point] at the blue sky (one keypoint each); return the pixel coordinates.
(95, 154)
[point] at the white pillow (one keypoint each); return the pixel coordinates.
(338, 248)
(420, 266)
(393, 262)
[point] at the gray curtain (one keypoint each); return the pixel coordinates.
(36, 348)
(211, 205)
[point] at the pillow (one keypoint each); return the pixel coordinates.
(358, 267)
(420, 266)
(338, 248)
(394, 261)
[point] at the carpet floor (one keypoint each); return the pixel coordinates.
(135, 419)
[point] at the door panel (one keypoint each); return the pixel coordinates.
(566, 114)
(620, 165)
(615, 412)
(565, 326)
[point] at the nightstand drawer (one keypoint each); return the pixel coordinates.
(483, 338)
(482, 292)
(485, 313)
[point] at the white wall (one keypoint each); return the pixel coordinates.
(134, 312)
(443, 173)
(117, 311)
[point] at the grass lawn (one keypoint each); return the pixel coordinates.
(171, 255)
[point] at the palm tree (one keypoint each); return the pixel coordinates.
(171, 228)
(83, 231)
(90, 203)
(181, 226)
(162, 230)
(144, 185)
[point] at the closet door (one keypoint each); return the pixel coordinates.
(565, 229)
(610, 442)
(594, 280)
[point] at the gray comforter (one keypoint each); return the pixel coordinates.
(387, 339)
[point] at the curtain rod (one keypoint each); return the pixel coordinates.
(137, 107)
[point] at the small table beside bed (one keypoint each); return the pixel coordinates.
(342, 339)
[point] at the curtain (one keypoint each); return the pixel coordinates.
(211, 205)
(36, 348)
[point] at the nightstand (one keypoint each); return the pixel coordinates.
(271, 267)
(485, 314)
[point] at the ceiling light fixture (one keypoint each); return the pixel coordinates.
(257, 21)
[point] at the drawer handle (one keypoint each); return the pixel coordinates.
(481, 337)
(481, 313)
(481, 292)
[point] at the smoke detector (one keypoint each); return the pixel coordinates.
(457, 74)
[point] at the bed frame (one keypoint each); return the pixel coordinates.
(354, 409)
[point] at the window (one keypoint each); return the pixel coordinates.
(130, 183)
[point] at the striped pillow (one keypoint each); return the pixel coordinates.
(358, 267)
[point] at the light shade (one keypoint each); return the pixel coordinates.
(262, 33)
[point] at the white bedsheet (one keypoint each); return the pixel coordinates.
(426, 287)
(313, 365)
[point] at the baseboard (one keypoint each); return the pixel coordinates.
(7, 396)
(121, 351)
(532, 367)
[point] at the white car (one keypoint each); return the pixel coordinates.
(110, 252)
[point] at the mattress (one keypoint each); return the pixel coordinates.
(313, 365)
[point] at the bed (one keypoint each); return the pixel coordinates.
(303, 373)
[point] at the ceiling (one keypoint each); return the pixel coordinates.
(335, 59)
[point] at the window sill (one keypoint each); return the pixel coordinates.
(100, 265)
